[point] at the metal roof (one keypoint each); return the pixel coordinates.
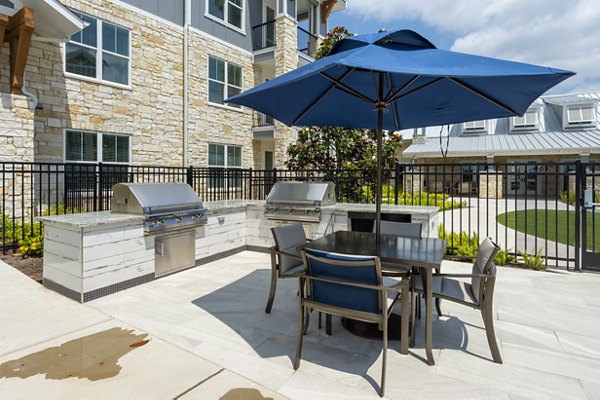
(513, 144)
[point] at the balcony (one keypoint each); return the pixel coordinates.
(263, 36)
(261, 120)
(307, 42)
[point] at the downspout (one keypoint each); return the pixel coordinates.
(187, 15)
(31, 96)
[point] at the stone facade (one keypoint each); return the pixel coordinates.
(490, 186)
(16, 128)
(150, 109)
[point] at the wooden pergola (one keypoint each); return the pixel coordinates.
(17, 31)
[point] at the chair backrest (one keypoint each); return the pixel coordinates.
(484, 264)
(408, 229)
(348, 268)
(287, 237)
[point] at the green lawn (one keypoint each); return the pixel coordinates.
(557, 225)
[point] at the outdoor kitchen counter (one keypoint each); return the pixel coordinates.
(229, 205)
(89, 219)
(385, 208)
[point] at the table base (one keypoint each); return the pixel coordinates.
(371, 331)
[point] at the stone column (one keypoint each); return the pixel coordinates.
(490, 186)
(286, 59)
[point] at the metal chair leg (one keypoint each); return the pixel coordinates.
(437, 306)
(273, 286)
(328, 324)
(301, 331)
(404, 321)
(384, 363)
(488, 322)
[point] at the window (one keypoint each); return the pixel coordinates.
(100, 51)
(224, 80)
(83, 150)
(94, 147)
(474, 127)
(229, 11)
(529, 121)
(583, 115)
(228, 159)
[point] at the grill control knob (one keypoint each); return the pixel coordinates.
(161, 221)
(178, 219)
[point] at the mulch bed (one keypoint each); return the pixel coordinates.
(32, 266)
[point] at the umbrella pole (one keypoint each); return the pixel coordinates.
(380, 109)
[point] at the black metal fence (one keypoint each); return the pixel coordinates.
(529, 209)
(307, 42)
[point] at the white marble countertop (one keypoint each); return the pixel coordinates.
(83, 220)
(385, 208)
(216, 206)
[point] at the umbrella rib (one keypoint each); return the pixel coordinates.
(337, 83)
(392, 97)
(478, 93)
(321, 97)
(399, 96)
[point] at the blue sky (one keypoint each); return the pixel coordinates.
(557, 33)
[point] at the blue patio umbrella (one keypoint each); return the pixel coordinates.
(395, 81)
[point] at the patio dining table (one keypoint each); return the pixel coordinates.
(424, 253)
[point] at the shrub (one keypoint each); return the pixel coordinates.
(441, 200)
(504, 257)
(459, 244)
(32, 246)
(535, 261)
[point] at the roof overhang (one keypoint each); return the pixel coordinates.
(53, 21)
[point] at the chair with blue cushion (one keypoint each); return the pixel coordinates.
(350, 286)
(286, 261)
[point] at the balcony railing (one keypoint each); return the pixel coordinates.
(261, 119)
(307, 42)
(263, 36)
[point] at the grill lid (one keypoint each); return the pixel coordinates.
(315, 194)
(154, 198)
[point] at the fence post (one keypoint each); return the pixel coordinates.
(189, 176)
(274, 175)
(579, 185)
(397, 182)
(100, 187)
(250, 183)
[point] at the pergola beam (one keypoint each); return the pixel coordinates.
(20, 30)
(326, 9)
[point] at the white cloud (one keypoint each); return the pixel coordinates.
(558, 33)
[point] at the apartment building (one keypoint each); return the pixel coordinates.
(143, 81)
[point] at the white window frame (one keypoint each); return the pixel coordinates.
(226, 185)
(99, 136)
(225, 83)
(225, 21)
(523, 124)
(567, 123)
(474, 127)
(99, 56)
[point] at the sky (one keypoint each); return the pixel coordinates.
(562, 34)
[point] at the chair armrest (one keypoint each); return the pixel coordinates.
(393, 288)
(464, 275)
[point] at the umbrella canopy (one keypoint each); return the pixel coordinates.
(407, 80)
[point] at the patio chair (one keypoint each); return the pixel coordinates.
(350, 286)
(407, 229)
(478, 293)
(287, 239)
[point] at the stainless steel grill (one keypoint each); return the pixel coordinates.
(165, 206)
(299, 201)
(172, 212)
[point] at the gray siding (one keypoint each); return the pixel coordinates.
(256, 13)
(170, 10)
(217, 29)
(6, 3)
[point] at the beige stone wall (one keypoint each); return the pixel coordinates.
(215, 123)
(16, 128)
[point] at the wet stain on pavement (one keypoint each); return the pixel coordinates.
(91, 357)
(244, 394)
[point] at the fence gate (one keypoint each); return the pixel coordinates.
(590, 218)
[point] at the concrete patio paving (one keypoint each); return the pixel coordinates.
(203, 334)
